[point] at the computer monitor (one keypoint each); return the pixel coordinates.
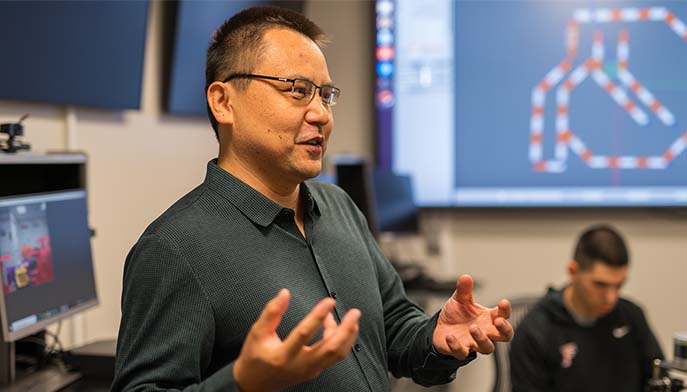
(534, 103)
(385, 198)
(354, 177)
(45, 254)
(394, 202)
(73, 53)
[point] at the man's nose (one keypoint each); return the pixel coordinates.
(318, 112)
(611, 296)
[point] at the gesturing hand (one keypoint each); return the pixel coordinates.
(267, 363)
(465, 325)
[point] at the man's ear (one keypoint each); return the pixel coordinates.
(219, 99)
(573, 268)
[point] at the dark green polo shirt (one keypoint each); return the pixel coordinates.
(200, 275)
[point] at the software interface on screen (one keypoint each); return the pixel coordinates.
(45, 254)
(535, 103)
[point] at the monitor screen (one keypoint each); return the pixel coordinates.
(83, 53)
(45, 253)
(534, 103)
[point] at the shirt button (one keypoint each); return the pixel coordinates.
(333, 294)
(357, 347)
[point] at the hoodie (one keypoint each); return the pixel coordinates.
(551, 352)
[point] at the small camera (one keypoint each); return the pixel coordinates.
(13, 130)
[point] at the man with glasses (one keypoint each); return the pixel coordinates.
(259, 280)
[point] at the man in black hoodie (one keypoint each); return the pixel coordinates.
(585, 337)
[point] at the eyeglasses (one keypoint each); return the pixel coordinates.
(301, 89)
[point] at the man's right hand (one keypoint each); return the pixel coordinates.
(267, 363)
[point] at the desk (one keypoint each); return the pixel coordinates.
(95, 362)
(53, 379)
(86, 385)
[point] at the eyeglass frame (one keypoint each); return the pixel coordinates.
(335, 90)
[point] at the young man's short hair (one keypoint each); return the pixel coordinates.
(237, 45)
(601, 243)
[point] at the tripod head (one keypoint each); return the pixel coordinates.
(13, 130)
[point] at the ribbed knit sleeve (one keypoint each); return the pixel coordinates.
(168, 328)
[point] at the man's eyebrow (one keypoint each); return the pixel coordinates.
(601, 282)
(326, 83)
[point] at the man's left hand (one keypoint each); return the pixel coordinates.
(466, 326)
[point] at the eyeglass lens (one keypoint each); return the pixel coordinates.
(304, 89)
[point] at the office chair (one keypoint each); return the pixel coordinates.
(502, 349)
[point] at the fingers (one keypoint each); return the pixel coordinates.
(505, 330)
(329, 326)
(463, 293)
(502, 310)
(484, 344)
(481, 343)
(458, 350)
(338, 345)
(271, 315)
(308, 327)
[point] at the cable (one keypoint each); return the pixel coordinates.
(55, 338)
(56, 353)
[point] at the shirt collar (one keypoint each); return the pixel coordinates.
(253, 204)
(309, 199)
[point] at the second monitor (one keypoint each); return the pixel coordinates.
(45, 253)
(385, 198)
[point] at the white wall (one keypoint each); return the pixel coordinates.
(142, 161)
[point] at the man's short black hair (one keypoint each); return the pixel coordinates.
(601, 243)
(237, 46)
